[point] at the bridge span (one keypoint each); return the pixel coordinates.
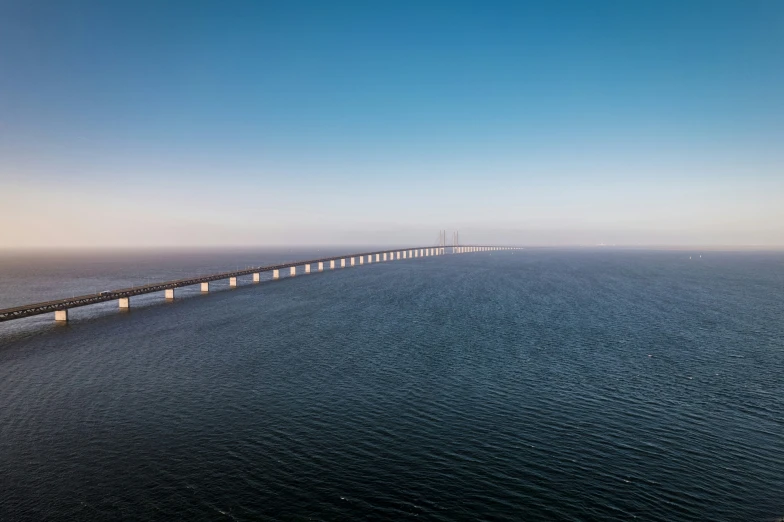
(60, 307)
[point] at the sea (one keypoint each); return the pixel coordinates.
(540, 384)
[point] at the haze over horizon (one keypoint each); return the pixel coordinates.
(144, 124)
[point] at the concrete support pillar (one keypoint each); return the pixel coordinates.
(398, 255)
(205, 287)
(169, 293)
(377, 257)
(307, 269)
(256, 278)
(293, 271)
(342, 263)
(370, 258)
(332, 265)
(410, 252)
(352, 261)
(61, 316)
(321, 266)
(404, 254)
(125, 302)
(361, 260)
(232, 282)
(385, 256)
(276, 274)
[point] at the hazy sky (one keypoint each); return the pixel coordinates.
(247, 123)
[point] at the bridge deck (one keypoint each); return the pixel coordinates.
(28, 310)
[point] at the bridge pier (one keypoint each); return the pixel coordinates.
(257, 277)
(205, 287)
(352, 261)
(233, 282)
(361, 260)
(307, 269)
(61, 316)
(125, 302)
(332, 264)
(342, 263)
(321, 266)
(276, 274)
(385, 256)
(169, 293)
(292, 271)
(398, 254)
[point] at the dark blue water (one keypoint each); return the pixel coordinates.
(538, 385)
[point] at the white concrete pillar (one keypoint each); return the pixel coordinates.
(292, 271)
(232, 282)
(169, 293)
(377, 257)
(125, 302)
(409, 253)
(276, 274)
(398, 255)
(321, 266)
(307, 269)
(61, 316)
(342, 263)
(256, 278)
(361, 260)
(205, 287)
(352, 261)
(332, 265)
(385, 256)
(370, 258)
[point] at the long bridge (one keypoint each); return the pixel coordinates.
(60, 307)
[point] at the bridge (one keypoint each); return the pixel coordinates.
(60, 307)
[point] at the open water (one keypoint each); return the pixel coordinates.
(532, 385)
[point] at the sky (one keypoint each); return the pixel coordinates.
(223, 123)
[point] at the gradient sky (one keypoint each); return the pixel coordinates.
(146, 123)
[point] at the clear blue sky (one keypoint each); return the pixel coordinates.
(210, 123)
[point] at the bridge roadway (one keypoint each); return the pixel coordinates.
(62, 305)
